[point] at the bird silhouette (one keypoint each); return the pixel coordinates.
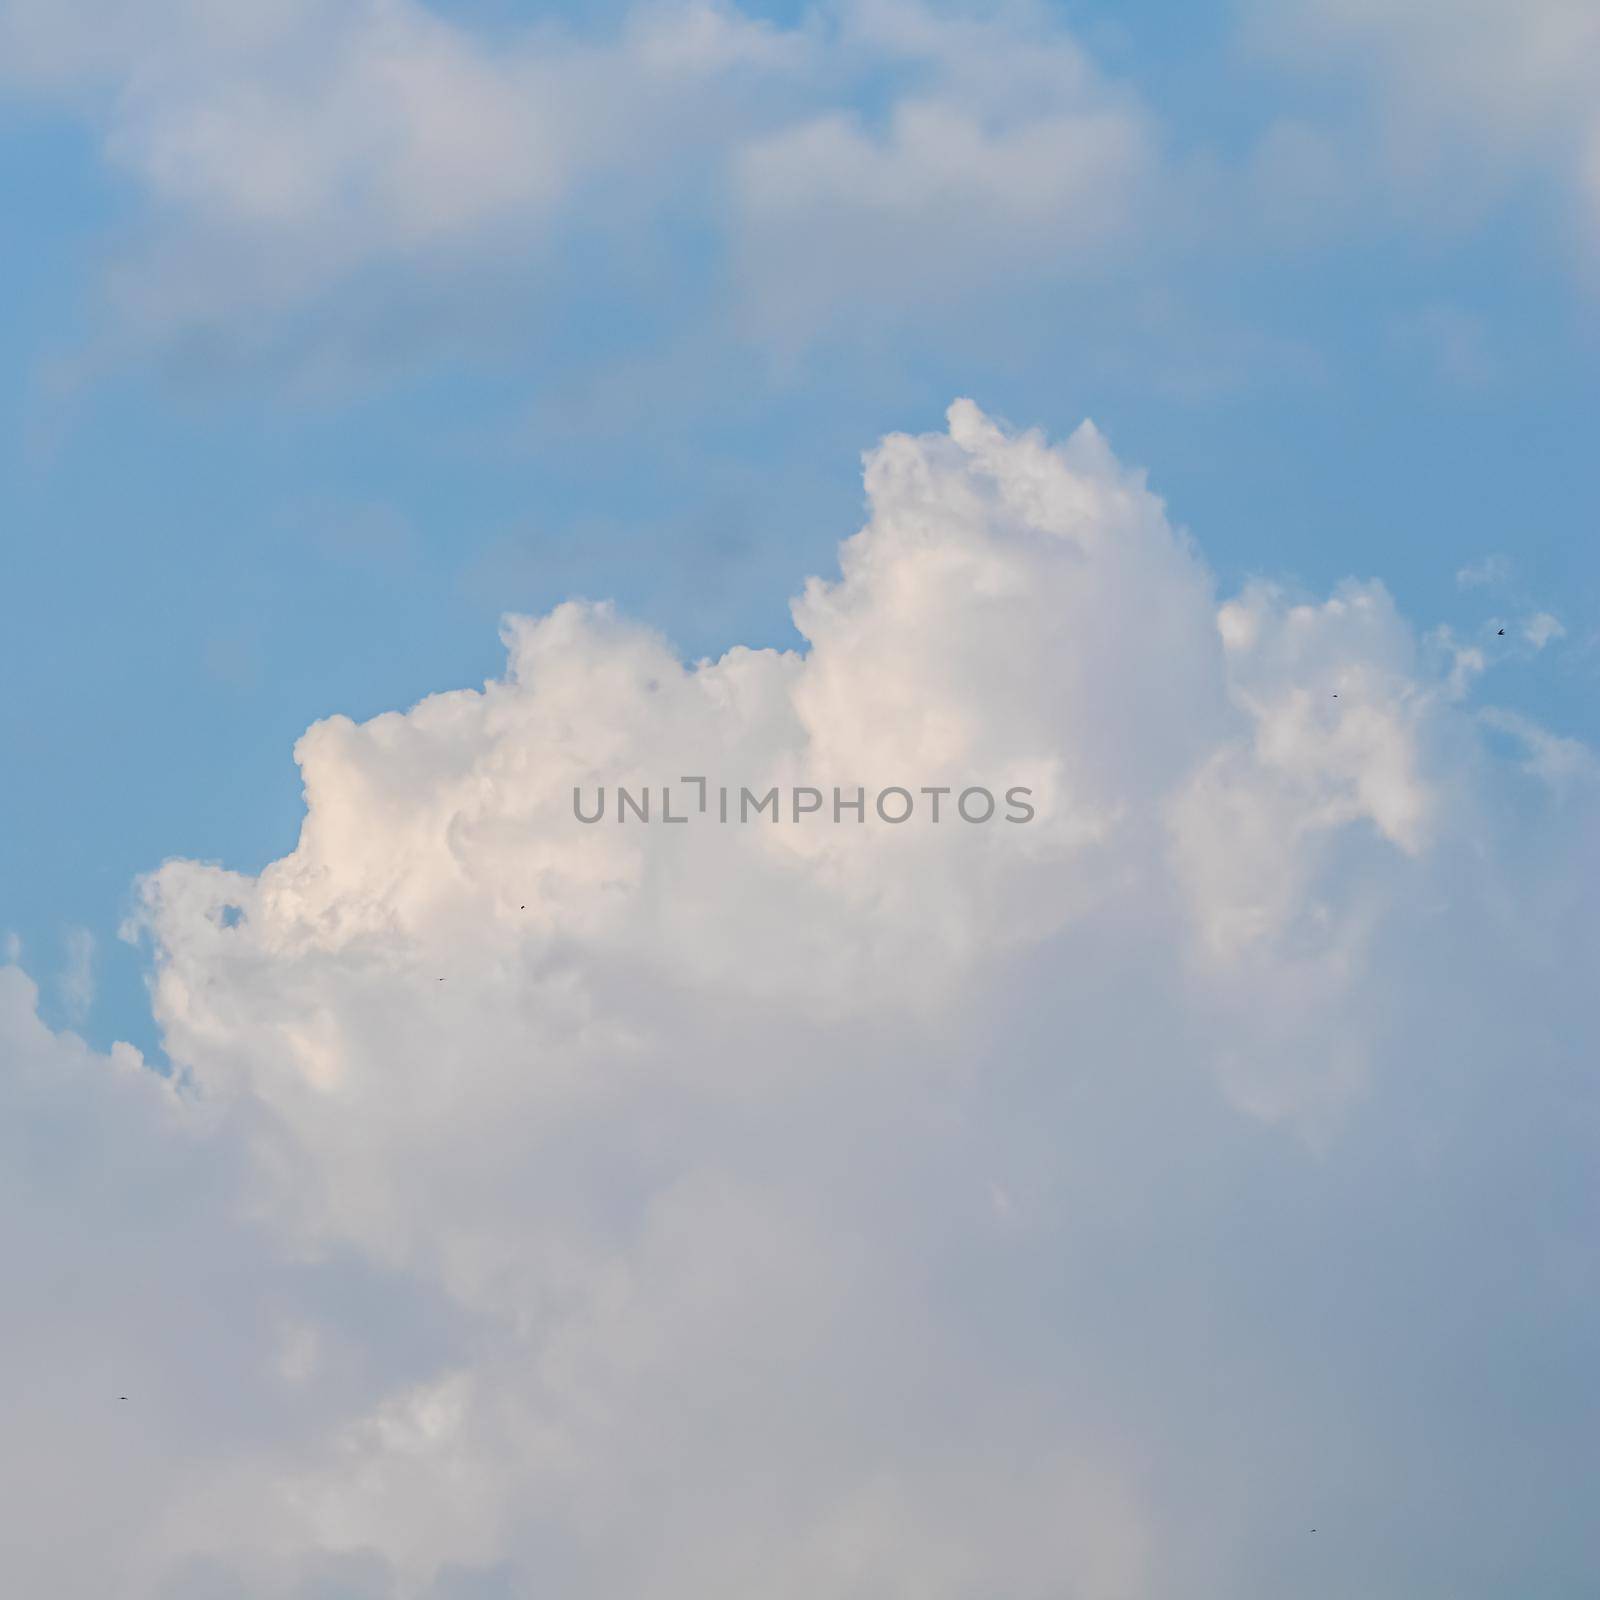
(1501, 634)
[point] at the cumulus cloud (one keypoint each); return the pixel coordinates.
(825, 1208)
(135, 1269)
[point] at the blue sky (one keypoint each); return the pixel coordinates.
(805, 1212)
(209, 549)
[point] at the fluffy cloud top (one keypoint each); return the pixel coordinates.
(829, 1208)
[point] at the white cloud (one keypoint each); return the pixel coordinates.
(131, 1271)
(817, 1210)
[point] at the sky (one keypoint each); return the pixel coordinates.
(413, 412)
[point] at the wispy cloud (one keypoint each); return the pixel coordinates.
(1558, 761)
(1541, 629)
(1487, 572)
(76, 982)
(1452, 340)
(1466, 103)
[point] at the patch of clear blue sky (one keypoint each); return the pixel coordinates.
(201, 559)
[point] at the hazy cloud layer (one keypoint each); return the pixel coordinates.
(286, 152)
(1004, 155)
(821, 1210)
(1467, 100)
(345, 181)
